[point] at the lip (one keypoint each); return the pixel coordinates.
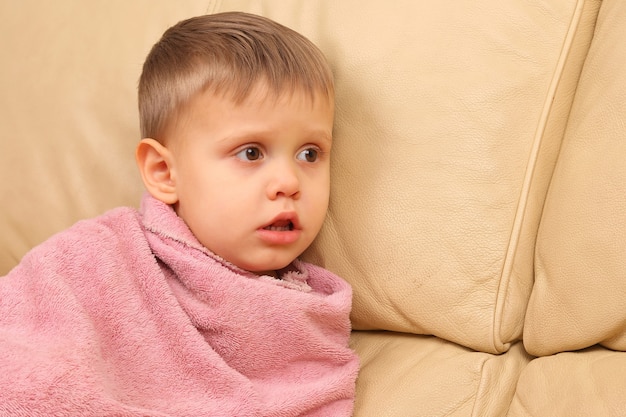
(280, 236)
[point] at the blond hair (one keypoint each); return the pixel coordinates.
(225, 53)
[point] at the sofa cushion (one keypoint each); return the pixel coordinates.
(410, 375)
(449, 119)
(585, 383)
(579, 297)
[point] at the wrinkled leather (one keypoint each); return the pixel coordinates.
(579, 297)
(586, 383)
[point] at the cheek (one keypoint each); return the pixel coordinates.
(319, 201)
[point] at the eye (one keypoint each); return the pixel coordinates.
(308, 155)
(251, 153)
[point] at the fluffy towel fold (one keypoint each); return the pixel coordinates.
(129, 315)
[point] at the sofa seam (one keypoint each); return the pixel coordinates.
(481, 388)
(520, 212)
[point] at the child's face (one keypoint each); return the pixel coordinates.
(252, 179)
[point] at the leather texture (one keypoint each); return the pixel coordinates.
(69, 111)
(408, 375)
(579, 294)
(477, 204)
(584, 383)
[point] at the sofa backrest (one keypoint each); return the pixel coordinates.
(579, 295)
(68, 111)
(450, 120)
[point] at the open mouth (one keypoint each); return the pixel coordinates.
(284, 229)
(280, 226)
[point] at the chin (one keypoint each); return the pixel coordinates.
(274, 266)
(271, 261)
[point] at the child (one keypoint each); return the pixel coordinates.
(196, 304)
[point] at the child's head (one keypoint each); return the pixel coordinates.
(237, 115)
(226, 53)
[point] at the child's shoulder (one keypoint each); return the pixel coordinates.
(113, 224)
(87, 240)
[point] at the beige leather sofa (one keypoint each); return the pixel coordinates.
(478, 201)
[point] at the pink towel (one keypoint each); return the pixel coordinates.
(128, 315)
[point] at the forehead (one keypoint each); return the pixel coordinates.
(262, 99)
(261, 108)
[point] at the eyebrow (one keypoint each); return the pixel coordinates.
(313, 135)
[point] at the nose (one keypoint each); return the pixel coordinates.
(283, 181)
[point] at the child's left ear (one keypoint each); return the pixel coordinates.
(155, 164)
